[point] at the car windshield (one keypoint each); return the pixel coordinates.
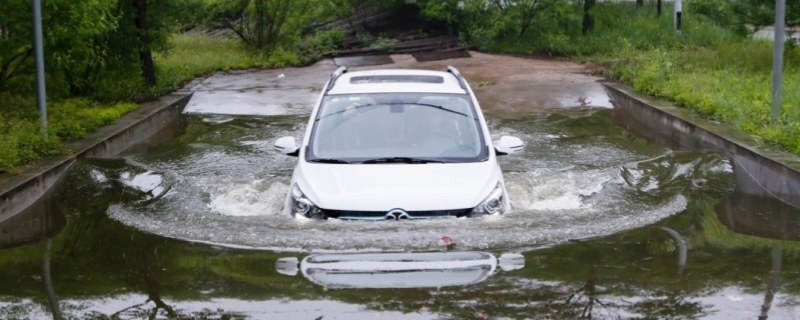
(392, 127)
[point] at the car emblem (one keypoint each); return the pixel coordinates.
(397, 214)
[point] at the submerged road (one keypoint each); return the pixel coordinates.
(579, 177)
(606, 224)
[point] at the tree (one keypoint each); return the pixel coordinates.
(142, 27)
(72, 29)
(145, 54)
(658, 8)
(588, 20)
(15, 50)
(260, 25)
(745, 15)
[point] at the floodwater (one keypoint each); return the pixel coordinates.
(606, 224)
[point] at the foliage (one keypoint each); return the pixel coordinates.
(312, 48)
(71, 45)
(194, 56)
(350, 10)
(741, 15)
(86, 41)
(287, 25)
(724, 13)
(261, 24)
(206, 13)
(738, 93)
(710, 67)
(490, 24)
(93, 52)
(384, 44)
(715, 72)
(191, 56)
(70, 119)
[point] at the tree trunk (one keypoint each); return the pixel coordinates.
(588, 20)
(145, 54)
(658, 5)
(639, 3)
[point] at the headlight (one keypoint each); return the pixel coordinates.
(302, 206)
(495, 203)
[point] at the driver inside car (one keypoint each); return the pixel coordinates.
(435, 128)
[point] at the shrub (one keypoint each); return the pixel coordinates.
(261, 24)
(23, 140)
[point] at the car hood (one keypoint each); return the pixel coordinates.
(411, 187)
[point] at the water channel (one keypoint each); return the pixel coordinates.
(606, 224)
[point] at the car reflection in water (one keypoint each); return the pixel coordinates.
(399, 270)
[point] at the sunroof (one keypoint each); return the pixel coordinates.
(396, 78)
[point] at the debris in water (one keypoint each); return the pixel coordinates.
(447, 243)
(700, 182)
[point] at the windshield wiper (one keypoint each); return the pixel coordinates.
(344, 110)
(401, 160)
(405, 103)
(439, 107)
(324, 160)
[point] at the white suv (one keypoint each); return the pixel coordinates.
(397, 144)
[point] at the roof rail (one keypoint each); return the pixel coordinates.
(335, 75)
(460, 79)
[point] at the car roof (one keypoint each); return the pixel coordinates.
(396, 80)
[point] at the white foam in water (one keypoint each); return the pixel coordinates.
(545, 190)
(232, 196)
(148, 182)
(217, 119)
(280, 233)
(98, 176)
(256, 198)
(265, 145)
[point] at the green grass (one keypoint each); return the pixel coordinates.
(71, 119)
(706, 68)
(195, 55)
(191, 56)
(727, 78)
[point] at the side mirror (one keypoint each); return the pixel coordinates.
(287, 266)
(511, 261)
(508, 145)
(287, 146)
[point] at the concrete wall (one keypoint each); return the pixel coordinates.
(773, 173)
(40, 220)
(29, 188)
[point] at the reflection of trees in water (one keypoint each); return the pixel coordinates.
(772, 285)
(589, 301)
(629, 274)
(155, 307)
(144, 309)
(576, 280)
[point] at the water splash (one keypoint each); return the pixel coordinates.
(579, 177)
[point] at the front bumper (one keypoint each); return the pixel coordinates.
(395, 214)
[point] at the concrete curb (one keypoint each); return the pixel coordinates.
(21, 190)
(775, 173)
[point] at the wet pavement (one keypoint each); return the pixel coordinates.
(606, 224)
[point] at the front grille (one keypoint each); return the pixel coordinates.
(381, 214)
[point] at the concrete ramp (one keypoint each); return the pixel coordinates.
(441, 55)
(359, 61)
